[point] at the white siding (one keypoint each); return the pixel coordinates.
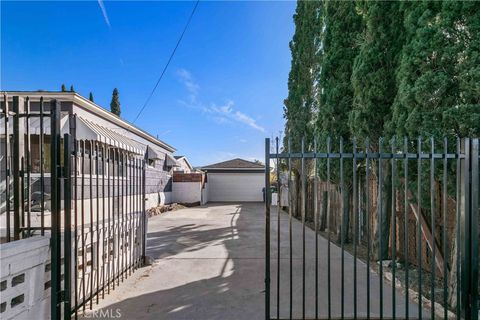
(183, 166)
(232, 187)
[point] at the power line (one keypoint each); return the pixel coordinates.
(168, 62)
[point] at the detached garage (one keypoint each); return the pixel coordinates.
(235, 180)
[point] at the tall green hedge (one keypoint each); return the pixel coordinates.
(373, 68)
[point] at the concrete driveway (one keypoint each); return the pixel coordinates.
(209, 264)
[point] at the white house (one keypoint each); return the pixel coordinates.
(87, 121)
(183, 165)
(235, 180)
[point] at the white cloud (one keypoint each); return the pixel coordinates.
(104, 12)
(229, 112)
(191, 86)
(221, 114)
(248, 120)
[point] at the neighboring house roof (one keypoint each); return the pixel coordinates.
(185, 159)
(93, 108)
(236, 164)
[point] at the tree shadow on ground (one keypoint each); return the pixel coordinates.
(208, 270)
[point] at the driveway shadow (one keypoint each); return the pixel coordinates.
(210, 267)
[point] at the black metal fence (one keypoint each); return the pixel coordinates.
(385, 230)
(86, 195)
(23, 179)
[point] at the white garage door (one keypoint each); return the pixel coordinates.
(235, 186)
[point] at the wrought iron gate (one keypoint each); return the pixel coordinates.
(381, 230)
(89, 196)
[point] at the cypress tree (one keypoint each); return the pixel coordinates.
(438, 74)
(426, 84)
(374, 89)
(340, 30)
(462, 29)
(64, 89)
(425, 76)
(115, 103)
(374, 68)
(342, 26)
(90, 97)
(438, 93)
(301, 101)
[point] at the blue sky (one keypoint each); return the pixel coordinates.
(221, 96)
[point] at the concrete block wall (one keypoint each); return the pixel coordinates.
(96, 264)
(25, 266)
(24, 274)
(157, 180)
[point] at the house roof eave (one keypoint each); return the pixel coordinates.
(96, 109)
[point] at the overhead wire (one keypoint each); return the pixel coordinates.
(168, 62)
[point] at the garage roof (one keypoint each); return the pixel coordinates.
(236, 164)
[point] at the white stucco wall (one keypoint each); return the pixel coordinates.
(187, 192)
(157, 198)
(168, 197)
(205, 194)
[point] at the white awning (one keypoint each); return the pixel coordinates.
(88, 130)
(85, 130)
(171, 161)
(152, 154)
